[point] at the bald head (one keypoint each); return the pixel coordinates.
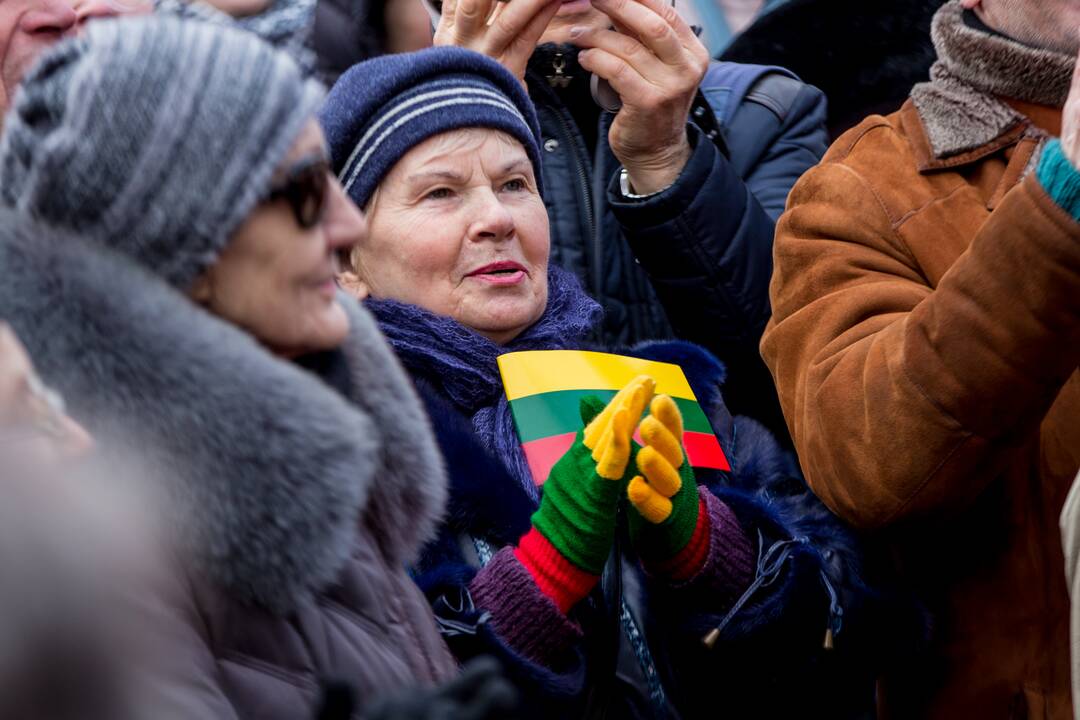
(1050, 24)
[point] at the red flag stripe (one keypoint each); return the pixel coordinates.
(703, 450)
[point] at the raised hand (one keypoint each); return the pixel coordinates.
(655, 63)
(505, 31)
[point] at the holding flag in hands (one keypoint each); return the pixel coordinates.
(574, 528)
(573, 531)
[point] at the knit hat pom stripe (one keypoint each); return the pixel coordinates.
(493, 100)
(407, 100)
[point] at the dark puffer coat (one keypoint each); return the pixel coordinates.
(294, 509)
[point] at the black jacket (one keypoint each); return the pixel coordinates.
(693, 261)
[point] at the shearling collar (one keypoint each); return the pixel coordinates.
(268, 472)
(961, 109)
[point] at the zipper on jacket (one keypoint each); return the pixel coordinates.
(583, 176)
(566, 124)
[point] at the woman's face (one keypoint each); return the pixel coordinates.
(458, 227)
(276, 278)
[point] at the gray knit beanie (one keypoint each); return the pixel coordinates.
(153, 135)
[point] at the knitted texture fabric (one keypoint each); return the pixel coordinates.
(729, 564)
(285, 24)
(664, 497)
(578, 507)
(463, 365)
(154, 136)
(526, 620)
(382, 108)
(662, 541)
(556, 576)
(1060, 179)
(688, 561)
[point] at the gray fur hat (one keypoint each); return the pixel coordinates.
(153, 135)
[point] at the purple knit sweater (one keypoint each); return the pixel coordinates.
(530, 622)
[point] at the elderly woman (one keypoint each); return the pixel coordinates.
(194, 328)
(733, 582)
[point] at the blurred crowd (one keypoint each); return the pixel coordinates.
(261, 263)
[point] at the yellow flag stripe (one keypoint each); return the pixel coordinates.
(541, 371)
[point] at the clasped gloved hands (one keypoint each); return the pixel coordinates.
(574, 529)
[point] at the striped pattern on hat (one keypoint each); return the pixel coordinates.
(154, 136)
(382, 108)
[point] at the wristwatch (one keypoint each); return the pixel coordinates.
(624, 188)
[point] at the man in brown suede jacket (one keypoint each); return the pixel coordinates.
(925, 342)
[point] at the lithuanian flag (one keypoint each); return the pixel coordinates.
(545, 388)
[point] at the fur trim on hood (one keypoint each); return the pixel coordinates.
(960, 106)
(267, 470)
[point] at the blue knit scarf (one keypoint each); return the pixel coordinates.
(462, 364)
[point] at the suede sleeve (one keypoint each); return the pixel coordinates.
(902, 396)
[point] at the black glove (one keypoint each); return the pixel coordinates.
(480, 692)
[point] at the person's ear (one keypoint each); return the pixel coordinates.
(353, 284)
(203, 290)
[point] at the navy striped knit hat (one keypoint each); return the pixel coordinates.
(382, 108)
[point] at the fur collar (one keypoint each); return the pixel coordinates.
(268, 472)
(960, 107)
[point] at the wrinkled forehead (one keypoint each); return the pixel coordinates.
(462, 147)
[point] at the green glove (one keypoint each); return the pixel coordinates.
(664, 498)
(581, 495)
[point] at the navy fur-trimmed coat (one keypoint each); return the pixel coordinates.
(769, 659)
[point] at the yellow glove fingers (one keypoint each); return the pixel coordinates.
(653, 506)
(613, 449)
(656, 435)
(596, 429)
(665, 410)
(615, 453)
(663, 478)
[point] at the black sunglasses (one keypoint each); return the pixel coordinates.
(305, 187)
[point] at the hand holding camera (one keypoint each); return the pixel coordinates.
(505, 31)
(655, 62)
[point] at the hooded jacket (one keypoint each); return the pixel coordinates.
(925, 343)
(288, 509)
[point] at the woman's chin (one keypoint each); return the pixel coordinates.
(323, 330)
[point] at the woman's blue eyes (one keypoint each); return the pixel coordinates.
(515, 185)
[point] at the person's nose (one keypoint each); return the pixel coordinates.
(50, 17)
(493, 220)
(344, 223)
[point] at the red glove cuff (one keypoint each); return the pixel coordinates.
(556, 576)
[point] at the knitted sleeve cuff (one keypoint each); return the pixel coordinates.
(521, 614)
(729, 564)
(1059, 178)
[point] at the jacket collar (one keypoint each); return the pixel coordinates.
(265, 471)
(960, 116)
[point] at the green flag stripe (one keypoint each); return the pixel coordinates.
(555, 413)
